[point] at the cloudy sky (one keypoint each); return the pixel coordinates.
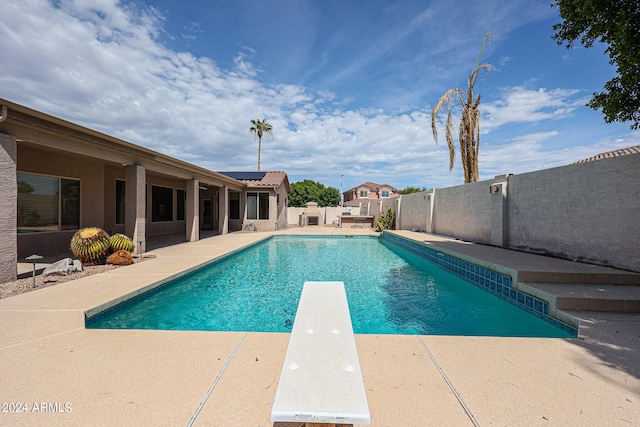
(348, 86)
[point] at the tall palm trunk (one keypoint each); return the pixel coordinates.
(259, 148)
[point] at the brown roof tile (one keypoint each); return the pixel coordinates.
(270, 179)
(615, 153)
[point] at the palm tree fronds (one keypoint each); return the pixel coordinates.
(469, 127)
(258, 128)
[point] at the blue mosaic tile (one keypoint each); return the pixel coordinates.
(537, 306)
(528, 301)
(489, 280)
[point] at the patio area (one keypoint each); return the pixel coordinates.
(64, 374)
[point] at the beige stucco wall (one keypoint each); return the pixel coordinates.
(277, 213)
(375, 207)
(159, 228)
(330, 214)
(281, 208)
(464, 211)
(293, 216)
(8, 208)
(587, 211)
(110, 177)
(54, 163)
(413, 212)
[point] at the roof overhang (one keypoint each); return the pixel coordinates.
(38, 129)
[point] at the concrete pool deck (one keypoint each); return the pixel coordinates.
(64, 374)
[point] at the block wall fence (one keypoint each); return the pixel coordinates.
(585, 212)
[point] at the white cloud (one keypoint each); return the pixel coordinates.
(521, 105)
(100, 64)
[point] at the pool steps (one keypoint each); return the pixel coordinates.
(619, 298)
(561, 285)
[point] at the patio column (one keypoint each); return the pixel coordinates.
(499, 226)
(193, 216)
(135, 202)
(8, 209)
(430, 197)
(223, 210)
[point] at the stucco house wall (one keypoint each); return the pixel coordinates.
(282, 203)
(38, 144)
(159, 228)
(58, 164)
(277, 214)
(8, 207)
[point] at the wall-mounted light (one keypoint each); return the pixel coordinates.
(495, 188)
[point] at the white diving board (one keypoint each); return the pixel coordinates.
(321, 381)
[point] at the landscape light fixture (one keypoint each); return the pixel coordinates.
(34, 259)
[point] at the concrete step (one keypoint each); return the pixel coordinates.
(580, 274)
(589, 297)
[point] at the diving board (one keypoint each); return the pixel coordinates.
(321, 381)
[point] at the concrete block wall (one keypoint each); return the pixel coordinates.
(588, 212)
(8, 208)
(330, 214)
(414, 211)
(464, 211)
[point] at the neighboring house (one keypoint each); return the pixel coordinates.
(368, 191)
(57, 177)
(265, 202)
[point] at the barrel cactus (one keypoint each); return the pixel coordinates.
(120, 242)
(120, 257)
(91, 245)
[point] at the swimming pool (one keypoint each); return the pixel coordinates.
(390, 290)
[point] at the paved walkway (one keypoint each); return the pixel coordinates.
(56, 372)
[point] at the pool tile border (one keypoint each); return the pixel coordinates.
(486, 279)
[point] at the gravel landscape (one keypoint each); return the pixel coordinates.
(21, 286)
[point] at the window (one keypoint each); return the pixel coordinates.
(363, 193)
(234, 205)
(181, 197)
(161, 204)
(385, 194)
(47, 203)
(120, 201)
(257, 205)
(263, 205)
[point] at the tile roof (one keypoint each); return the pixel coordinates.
(615, 153)
(356, 202)
(270, 179)
(372, 186)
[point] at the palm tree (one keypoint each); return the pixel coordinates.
(469, 132)
(258, 128)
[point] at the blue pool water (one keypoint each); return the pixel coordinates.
(389, 290)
